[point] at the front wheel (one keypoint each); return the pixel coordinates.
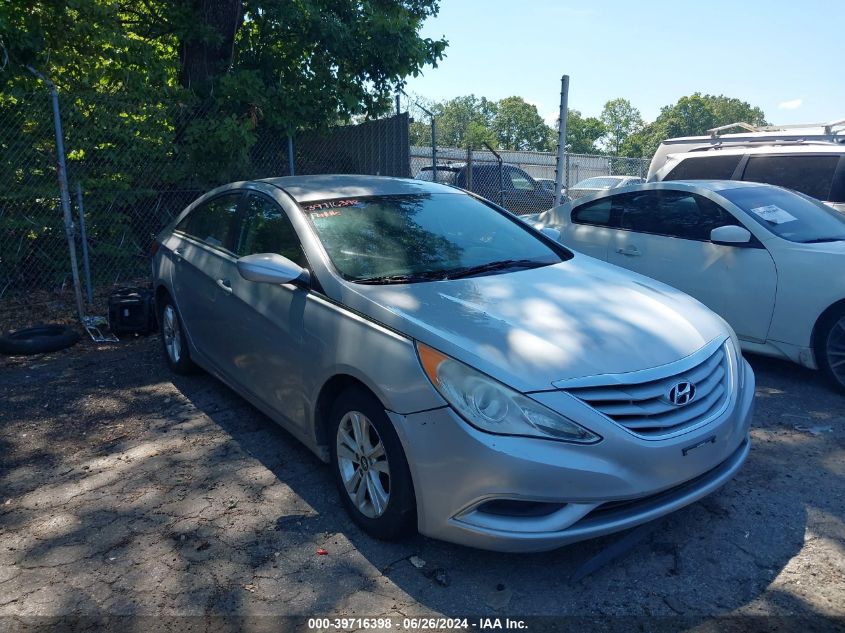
(830, 348)
(370, 468)
(173, 339)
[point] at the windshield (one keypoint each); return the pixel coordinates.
(407, 238)
(788, 214)
(600, 182)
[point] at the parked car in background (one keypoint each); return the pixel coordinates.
(462, 373)
(510, 186)
(601, 183)
(769, 260)
(549, 184)
(808, 159)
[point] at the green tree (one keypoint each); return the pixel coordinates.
(518, 126)
(176, 94)
(471, 121)
(291, 64)
(465, 122)
(582, 133)
(692, 115)
(620, 120)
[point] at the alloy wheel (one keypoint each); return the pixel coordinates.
(835, 350)
(172, 334)
(363, 464)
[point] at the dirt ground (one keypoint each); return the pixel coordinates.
(127, 491)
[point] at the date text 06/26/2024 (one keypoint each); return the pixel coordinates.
(416, 624)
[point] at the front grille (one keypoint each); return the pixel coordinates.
(644, 407)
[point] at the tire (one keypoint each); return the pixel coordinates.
(830, 348)
(173, 339)
(375, 459)
(40, 339)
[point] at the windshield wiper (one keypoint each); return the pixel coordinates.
(457, 273)
(824, 239)
(405, 278)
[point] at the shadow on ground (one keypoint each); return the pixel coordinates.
(126, 493)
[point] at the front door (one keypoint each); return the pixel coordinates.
(665, 235)
(267, 335)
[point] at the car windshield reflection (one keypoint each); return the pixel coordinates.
(427, 237)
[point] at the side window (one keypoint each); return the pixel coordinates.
(266, 228)
(811, 175)
(213, 222)
(519, 180)
(672, 213)
(705, 168)
(596, 213)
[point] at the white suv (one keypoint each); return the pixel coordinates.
(808, 159)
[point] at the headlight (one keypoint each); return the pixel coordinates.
(491, 406)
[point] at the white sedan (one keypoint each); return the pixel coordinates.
(769, 260)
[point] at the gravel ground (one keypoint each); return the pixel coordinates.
(127, 491)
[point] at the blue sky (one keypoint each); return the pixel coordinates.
(784, 56)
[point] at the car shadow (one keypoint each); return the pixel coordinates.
(211, 509)
(715, 556)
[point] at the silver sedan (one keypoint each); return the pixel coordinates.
(463, 373)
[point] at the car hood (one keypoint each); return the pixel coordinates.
(532, 327)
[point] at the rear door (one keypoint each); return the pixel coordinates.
(204, 266)
(665, 235)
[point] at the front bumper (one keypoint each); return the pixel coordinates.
(591, 490)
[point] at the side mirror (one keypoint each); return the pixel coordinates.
(270, 268)
(551, 233)
(730, 235)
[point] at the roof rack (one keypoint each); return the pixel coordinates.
(830, 129)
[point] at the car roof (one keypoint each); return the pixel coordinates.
(804, 148)
(714, 185)
(682, 185)
(326, 187)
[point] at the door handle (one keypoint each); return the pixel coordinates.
(631, 251)
(178, 252)
(225, 285)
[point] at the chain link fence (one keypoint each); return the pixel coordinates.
(522, 182)
(133, 165)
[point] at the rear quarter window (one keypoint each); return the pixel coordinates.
(596, 213)
(811, 175)
(705, 168)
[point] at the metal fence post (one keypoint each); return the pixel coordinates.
(469, 169)
(291, 167)
(501, 177)
(433, 149)
(61, 173)
(86, 265)
(561, 139)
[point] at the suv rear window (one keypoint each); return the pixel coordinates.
(445, 175)
(705, 168)
(811, 175)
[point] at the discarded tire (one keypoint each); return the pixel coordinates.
(38, 340)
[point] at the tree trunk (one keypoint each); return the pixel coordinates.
(208, 48)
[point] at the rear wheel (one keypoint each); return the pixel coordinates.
(370, 468)
(830, 348)
(173, 339)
